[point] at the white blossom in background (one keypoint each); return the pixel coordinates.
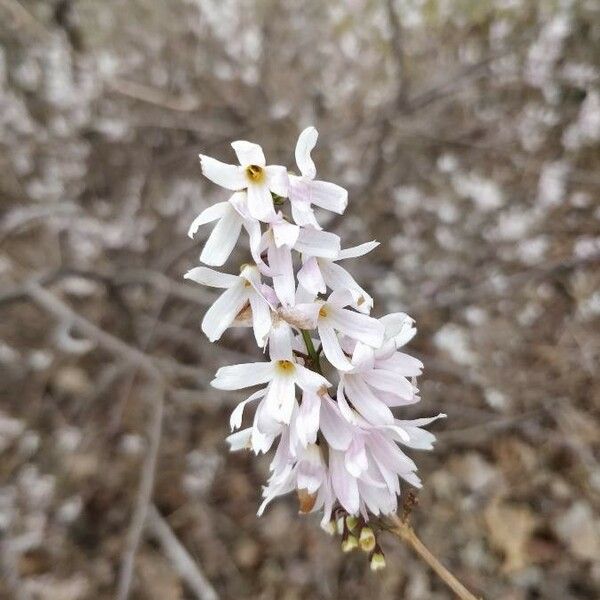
(333, 374)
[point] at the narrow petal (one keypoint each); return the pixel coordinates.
(338, 279)
(332, 349)
(279, 401)
(212, 278)
(311, 278)
(344, 485)
(261, 317)
(235, 421)
(313, 242)
(223, 239)
(307, 140)
(303, 214)
(336, 430)
(230, 177)
(237, 377)
(212, 213)
(240, 440)
(399, 327)
(366, 403)
(307, 420)
(355, 458)
(223, 311)
(282, 268)
(248, 153)
(277, 180)
(406, 365)
(356, 251)
(329, 196)
(260, 202)
(357, 326)
(389, 381)
(309, 380)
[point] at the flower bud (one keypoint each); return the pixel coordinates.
(351, 522)
(377, 560)
(306, 500)
(366, 539)
(349, 543)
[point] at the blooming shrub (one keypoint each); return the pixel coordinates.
(334, 372)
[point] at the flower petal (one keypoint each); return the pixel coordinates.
(212, 213)
(344, 485)
(237, 377)
(248, 153)
(336, 430)
(277, 180)
(331, 347)
(389, 381)
(365, 402)
(309, 380)
(230, 177)
(280, 341)
(261, 317)
(240, 440)
(223, 239)
(260, 202)
(235, 420)
(313, 242)
(356, 251)
(223, 311)
(329, 196)
(357, 326)
(212, 278)
(279, 401)
(282, 268)
(285, 234)
(310, 277)
(338, 279)
(307, 140)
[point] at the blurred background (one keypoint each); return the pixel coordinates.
(468, 135)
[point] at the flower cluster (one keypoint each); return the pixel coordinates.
(334, 372)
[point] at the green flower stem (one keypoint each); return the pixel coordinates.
(312, 353)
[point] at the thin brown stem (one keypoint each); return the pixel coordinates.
(407, 534)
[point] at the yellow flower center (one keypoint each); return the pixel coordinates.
(285, 366)
(323, 312)
(255, 173)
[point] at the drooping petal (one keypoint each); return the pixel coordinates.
(399, 327)
(355, 458)
(338, 279)
(212, 278)
(336, 430)
(282, 268)
(307, 140)
(237, 377)
(356, 251)
(212, 213)
(248, 153)
(311, 278)
(309, 380)
(357, 326)
(313, 242)
(344, 485)
(235, 420)
(329, 196)
(223, 311)
(307, 420)
(367, 403)
(389, 381)
(230, 177)
(240, 440)
(223, 239)
(302, 212)
(261, 317)
(260, 202)
(331, 347)
(279, 401)
(406, 365)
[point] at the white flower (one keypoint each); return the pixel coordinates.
(230, 217)
(241, 290)
(317, 274)
(279, 240)
(330, 317)
(252, 175)
(305, 191)
(282, 377)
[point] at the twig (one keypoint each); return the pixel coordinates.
(185, 566)
(144, 496)
(407, 534)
